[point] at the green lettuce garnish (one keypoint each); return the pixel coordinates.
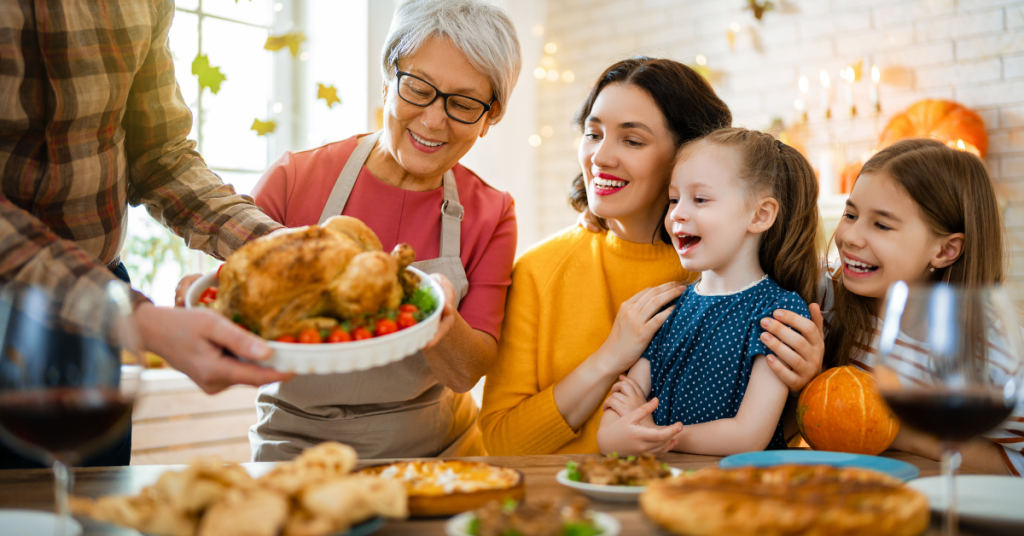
(572, 470)
(580, 529)
(425, 301)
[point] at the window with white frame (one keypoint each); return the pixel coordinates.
(260, 84)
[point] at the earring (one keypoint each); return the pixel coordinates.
(931, 269)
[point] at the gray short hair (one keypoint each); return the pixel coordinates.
(482, 31)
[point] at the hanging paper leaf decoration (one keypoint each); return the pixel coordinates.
(329, 94)
(291, 40)
(759, 8)
(263, 128)
(210, 77)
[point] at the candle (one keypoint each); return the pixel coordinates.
(826, 95)
(827, 176)
(803, 98)
(848, 75)
(875, 77)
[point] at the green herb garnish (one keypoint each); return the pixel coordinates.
(474, 526)
(572, 470)
(580, 529)
(424, 300)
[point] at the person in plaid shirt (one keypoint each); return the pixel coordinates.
(92, 120)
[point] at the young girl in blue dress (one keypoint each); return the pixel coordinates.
(742, 212)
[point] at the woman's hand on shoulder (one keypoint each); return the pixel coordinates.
(638, 319)
(798, 345)
(635, 433)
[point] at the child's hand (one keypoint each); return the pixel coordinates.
(627, 395)
(636, 323)
(628, 435)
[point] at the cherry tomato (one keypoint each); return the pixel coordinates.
(338, 335)
(310, 336)
(208, 296)
(286, 338)
(385, 326)
(361, 333)
(408, 308)
(406, 320)
(219, 268)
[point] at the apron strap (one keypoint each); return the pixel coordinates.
(451, 210)
(347, 178)
(451, 218)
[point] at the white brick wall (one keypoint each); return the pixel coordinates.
(970, 51)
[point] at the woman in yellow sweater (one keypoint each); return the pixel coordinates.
(565, 339)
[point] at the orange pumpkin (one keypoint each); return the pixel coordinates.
(849, 176)
(841, 411)
(942, 120)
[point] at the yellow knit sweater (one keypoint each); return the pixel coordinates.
(563, 300)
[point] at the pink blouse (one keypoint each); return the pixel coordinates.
(295, 189)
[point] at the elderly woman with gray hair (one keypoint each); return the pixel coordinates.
(449, 68)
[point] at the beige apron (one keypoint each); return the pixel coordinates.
(398, 410)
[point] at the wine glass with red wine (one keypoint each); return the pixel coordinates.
(951, 366)
(64, 394)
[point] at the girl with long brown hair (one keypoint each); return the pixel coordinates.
(743, 213)
(919, 212)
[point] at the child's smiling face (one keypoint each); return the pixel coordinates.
(709, 209)
(883, 238)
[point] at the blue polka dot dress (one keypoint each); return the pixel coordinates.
(702, 357)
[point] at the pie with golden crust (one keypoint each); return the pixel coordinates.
(448, 487)
(786, 500)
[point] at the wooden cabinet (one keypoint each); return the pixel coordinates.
(174, 421)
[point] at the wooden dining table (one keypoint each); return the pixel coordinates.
(33, 489)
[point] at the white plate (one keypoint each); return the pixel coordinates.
(980, 498)
(33, 523)
(351, 356)
(459, 525)
(602, 492)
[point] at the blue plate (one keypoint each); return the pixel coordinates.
(895, 468)
(364, 528)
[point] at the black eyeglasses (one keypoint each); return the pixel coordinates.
(419, 92)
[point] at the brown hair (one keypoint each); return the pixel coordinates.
(688, 102)
(789, 250)
(955, 195)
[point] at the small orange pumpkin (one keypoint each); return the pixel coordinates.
(849, 176)
(941, 120)
(841, 411)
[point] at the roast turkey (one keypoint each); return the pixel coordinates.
(312, 277)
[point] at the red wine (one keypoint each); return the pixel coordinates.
(64, 420)
(950, 416)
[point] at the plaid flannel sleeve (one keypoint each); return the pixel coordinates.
(31, 253)
(165, 172)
